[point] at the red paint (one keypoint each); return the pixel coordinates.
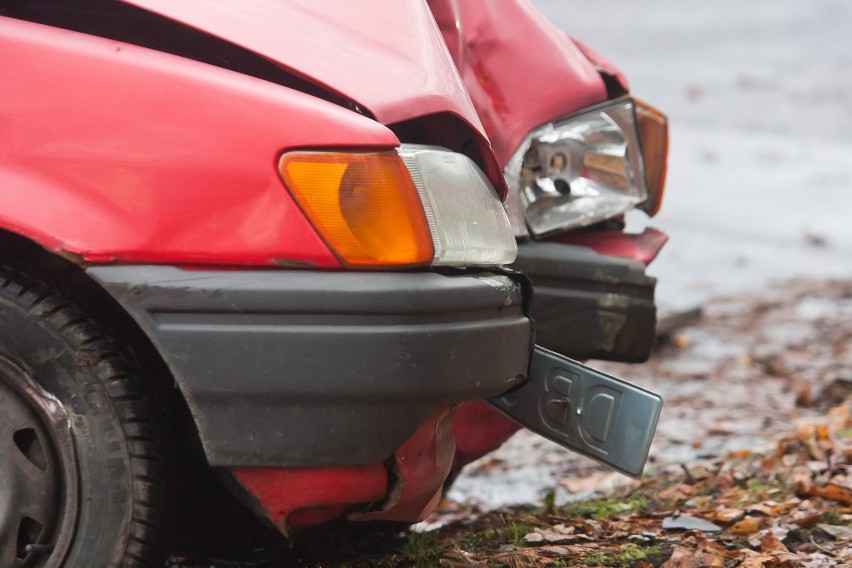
(479, 429)
(149, 157)
(642, 247)
(303, 496)
(299, 496)
(388, 56)
(603, 65)
(421, 465)
(520, 69)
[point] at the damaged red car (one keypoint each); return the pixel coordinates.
(255, 257)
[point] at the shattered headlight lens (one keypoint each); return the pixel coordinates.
(579, 170)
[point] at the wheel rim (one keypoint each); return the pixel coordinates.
(38, 473)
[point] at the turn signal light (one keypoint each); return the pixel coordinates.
(654, 137)
(365, 206)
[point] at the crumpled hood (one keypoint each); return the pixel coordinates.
(386, 55)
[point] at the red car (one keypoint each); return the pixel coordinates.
(266, 240)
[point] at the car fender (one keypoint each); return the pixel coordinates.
(116, 153)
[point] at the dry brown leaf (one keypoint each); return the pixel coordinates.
(557, 534)
(567, 550)
(696, 552)
(769, 543)
(769, 465)
(458, 558)
(747, 525)
(522, 558)
(767, 508)
(681, 491)
(740, 454)
(723, 514)
(682, 340)
(756, 559)
(807, 517)
(804, 395)
(835, 493)
(802, 481)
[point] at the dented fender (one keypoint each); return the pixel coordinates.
(150, 157)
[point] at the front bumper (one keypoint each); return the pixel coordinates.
(317, 369)
(589, 305)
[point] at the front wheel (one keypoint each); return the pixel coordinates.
(80, 472)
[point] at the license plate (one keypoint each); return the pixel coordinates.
(594, 414)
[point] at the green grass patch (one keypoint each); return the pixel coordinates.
(601, 509)
(629, 556)
(423, 549)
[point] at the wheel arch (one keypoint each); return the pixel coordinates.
(60, 269)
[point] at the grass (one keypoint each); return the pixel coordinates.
(600, 509)
(423, 549)
(629, 556)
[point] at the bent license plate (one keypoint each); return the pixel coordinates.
(590, 412)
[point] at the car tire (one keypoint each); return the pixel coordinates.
(80, 470)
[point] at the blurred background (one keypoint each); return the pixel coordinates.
(758, 207)
(759, 98)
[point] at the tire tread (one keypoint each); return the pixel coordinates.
(47, 302)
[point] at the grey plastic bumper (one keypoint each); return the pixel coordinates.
(587, 305)
(309, 369)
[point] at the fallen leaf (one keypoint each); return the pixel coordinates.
(802, 481)
(835, 493)
(682, 340)
(740, 454)
(521, 559)
(769, 543)
(747, 525)
(755, 559)
(806, 518)
(557, 534)
(723, 515)
(458, 558)
(679, 492)
(696, 552)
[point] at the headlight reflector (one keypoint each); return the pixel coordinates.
(580, 170)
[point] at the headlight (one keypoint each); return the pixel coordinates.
(417, 206)
(580, 170)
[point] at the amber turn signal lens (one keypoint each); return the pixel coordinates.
(364, 205)
(654, 138)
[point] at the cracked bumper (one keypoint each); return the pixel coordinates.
(324, 369)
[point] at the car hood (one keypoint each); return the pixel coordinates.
(385, 55)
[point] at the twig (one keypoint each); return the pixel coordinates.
(824, 549)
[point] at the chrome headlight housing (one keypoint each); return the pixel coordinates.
(579, 170)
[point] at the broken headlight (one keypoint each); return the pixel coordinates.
(579, 170)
